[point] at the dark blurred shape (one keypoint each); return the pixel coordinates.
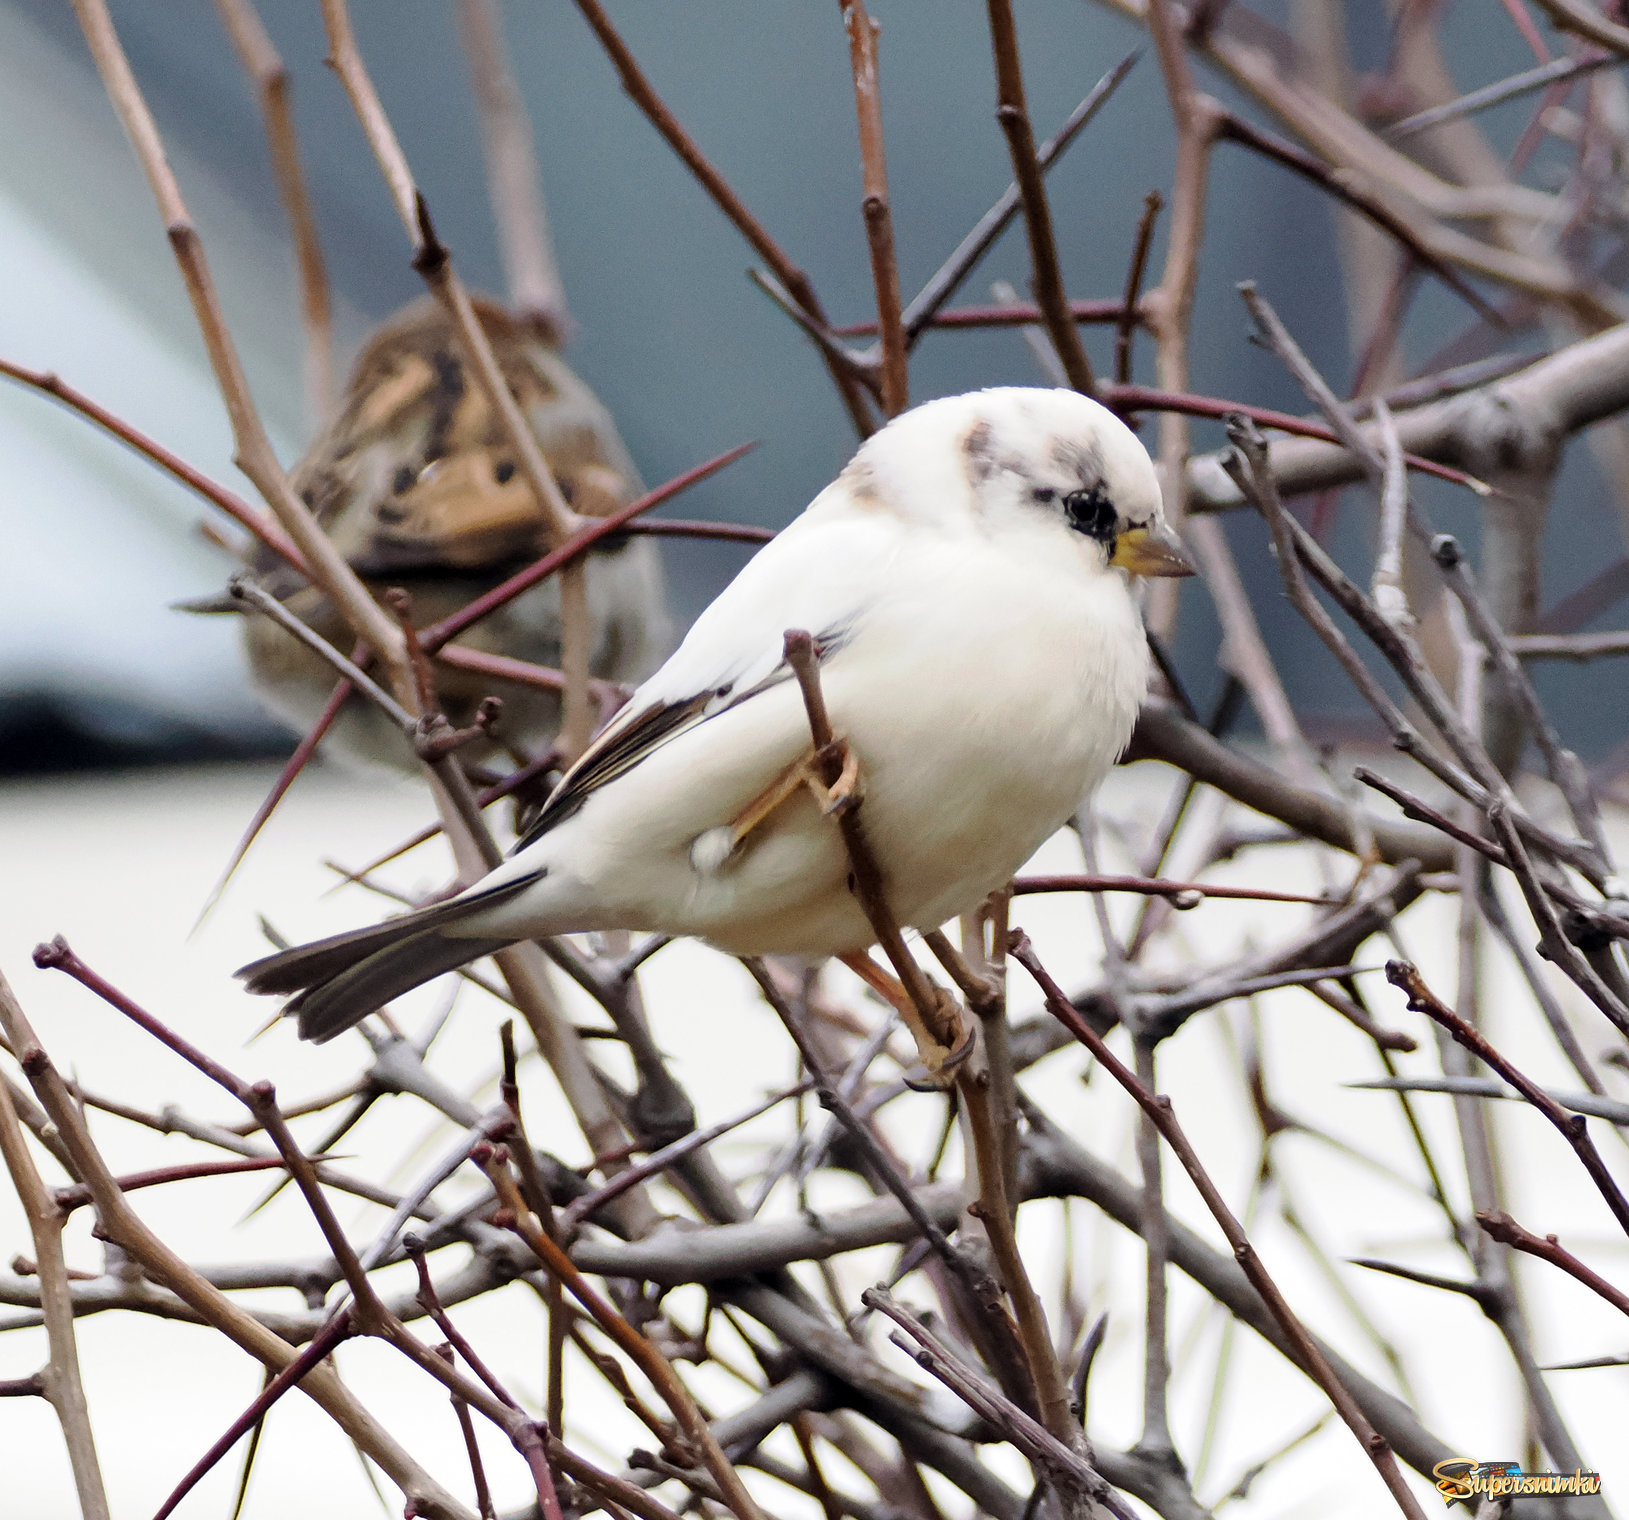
(45, 732)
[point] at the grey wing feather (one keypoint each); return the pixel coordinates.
(809, 578)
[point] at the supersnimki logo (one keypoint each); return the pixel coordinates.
(1464, 1478)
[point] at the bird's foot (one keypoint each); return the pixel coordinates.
(940, 1077)
(845, 792)
(941, 1054)
(717, 847)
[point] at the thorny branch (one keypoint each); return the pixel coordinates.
(1488, 410)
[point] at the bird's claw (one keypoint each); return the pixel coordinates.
(845, 792)
(941, 1073)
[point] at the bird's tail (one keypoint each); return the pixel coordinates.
(343, 978)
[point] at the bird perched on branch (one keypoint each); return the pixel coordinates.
(967, 580)
(415, 482)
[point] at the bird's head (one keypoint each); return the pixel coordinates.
(1019, 456)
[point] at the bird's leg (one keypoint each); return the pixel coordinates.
(845, 792)
(786, 785)
(940, 1059)
(801, 773)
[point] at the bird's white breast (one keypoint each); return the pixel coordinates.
(985, 689)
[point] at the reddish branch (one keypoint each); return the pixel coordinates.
(1013, 114)
(1547, 1248)
(1160, 1112)
(1573, 1127)
(656, 112)
(879, 222)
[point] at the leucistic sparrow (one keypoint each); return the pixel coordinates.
(967, 579)
(415, 482)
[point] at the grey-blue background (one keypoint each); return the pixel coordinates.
(689, 356)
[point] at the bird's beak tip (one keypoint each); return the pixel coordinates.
(1151, 551)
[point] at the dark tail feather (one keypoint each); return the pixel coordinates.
(334, 1005)
(323, 959)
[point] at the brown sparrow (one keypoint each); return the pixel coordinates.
(415, 483)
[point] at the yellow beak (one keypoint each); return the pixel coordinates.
(1151, 551)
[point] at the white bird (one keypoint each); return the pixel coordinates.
(967, 579)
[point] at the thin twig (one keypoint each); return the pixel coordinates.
(879, 223)
(264, 66)
(262, 527)
(925, 310)
(514, 181)
(1126, 328)
(1159, 1109)
(59, 1380)
(1013, 115)
(125, 1227)
(1057, 1459)
(253, 452)
(643, 1353)
(656, 112)
(1554, 72)
(1573, 1127)
(1547, 1248)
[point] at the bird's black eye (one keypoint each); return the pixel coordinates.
(1092, 513)
(1044, 493)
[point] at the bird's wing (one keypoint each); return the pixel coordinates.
(819, 575)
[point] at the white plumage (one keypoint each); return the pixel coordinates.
(967, 580)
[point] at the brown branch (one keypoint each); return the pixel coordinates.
(316, 1351)
(656, 112)
(466, 1428)
(1056, 1460)
(290, 773)
(1183, 894)
(1159, 1110)
(1021, 314)
(434, 264)
(123, 1226)
(686, 527)
(264, 66)
(939, 1035)
(1565, 768)
(253, 451)
(1139, 398)
(265, 529)
(514, 182)
(1233, 128)
(1506, 1231)
(59, 1381)
(1130, 303)
(1013, 115)
(637, 1347)
(936, 1021)
(1585, 21)
(879, 224)
(1573, 1127)
(1162, 733)
(924, 311)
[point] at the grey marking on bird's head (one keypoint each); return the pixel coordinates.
(1082, 461)
(978, 450)
(861, 481)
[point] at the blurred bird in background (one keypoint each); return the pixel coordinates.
(415, 482)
